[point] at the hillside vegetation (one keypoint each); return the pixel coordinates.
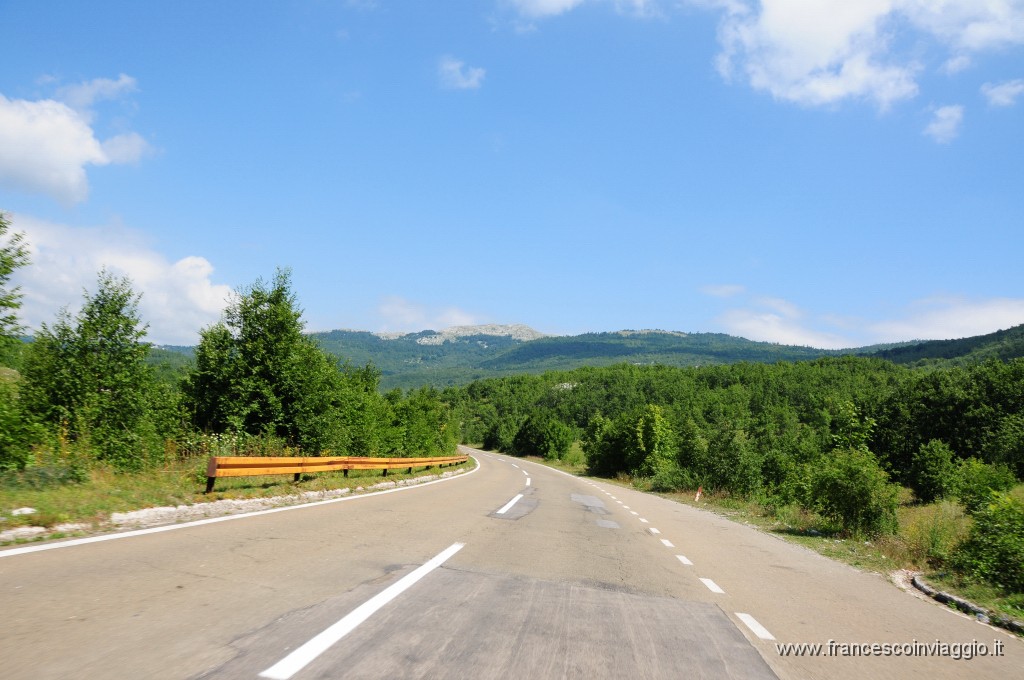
(836, 439)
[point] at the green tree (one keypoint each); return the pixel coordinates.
(13, 254)
(88, 374)
(994, 551)
(255, 372)
(976, 481)
(852, 490)
(932, 472)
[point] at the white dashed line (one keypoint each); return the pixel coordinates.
(508, 505)
(667, 543)
(682, 558)
(527, 481)
(633, 512)
(654, 532)
(644, 521)
(301, 657)
(526, 473)
(755, 627)
(712, 586)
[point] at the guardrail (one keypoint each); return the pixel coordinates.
(252, 466)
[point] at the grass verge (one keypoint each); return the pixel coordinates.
(181, 483)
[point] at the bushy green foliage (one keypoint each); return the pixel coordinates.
(543, 435)
(975, 482)
(88, 374)
(16, 430)
(995, 549)
(932, 472)
(852, 490)
(255, 372)
(13, 254)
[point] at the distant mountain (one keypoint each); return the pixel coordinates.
(462, 354)
(465, 353)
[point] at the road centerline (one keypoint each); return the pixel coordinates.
(505, 508)
(304, 655)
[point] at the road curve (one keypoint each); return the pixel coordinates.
(515, 570)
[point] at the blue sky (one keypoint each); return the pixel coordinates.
(816, 172)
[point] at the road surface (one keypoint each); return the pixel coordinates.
(513, 570)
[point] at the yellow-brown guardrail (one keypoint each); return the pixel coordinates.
(251, 466)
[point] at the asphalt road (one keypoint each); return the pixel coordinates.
(514, 570)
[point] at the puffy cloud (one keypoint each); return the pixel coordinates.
(779, 321)
(46, 145)
(826, 51)
(399, 314)
(815, 53)
(940, 318)
(455, 75)
(968, 25)
(1003, 94)
(945, 125)
(945, 318)
(178, 298)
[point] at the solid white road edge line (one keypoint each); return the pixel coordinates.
(225, 518)
(301, 657)
(508, 505)
(755, 627)
(712, 586)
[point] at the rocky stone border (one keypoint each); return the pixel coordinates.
(980, 613)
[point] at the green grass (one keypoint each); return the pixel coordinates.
(180, 483)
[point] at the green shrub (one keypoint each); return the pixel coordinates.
(853, 491)
(932, 473)
(995, 549)
(976, 481)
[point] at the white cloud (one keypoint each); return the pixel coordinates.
(826, 51)
(399, 314)
(815, 53)
(945, 125)
(777, 320)
(722, 290)
(781, 328)
(947, 318)
(178, 298)
(544, 8)
(82, 96)
(46, 145)
(956, 64)
(968, 25)
(1003, 94)
(941, 318)
(455, 75)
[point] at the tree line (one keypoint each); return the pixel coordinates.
(81, 392)
(774, 431)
